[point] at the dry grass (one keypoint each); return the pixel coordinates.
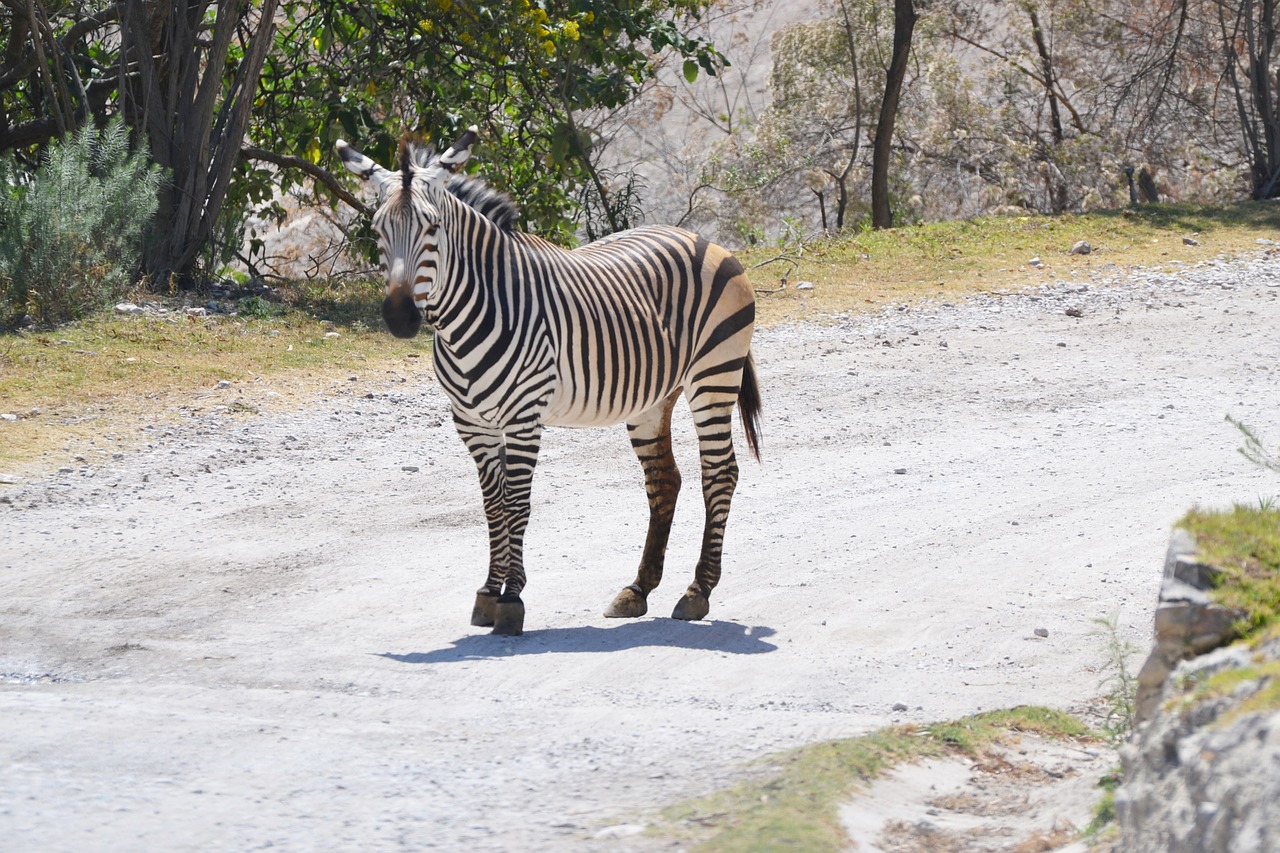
(952, 260)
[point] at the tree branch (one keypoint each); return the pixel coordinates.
(286, 161)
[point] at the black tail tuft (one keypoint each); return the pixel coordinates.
(749, 406)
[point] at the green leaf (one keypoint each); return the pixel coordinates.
(690, 70)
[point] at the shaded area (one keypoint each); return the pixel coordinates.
(729, 637)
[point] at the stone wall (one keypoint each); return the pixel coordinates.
(1202, 770)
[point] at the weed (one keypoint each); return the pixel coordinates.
(1254, 451)
(1104, 813)
(1119, 686)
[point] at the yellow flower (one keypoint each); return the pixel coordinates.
(588, 17)
(550, 47)
(570, 29)
(426, 25)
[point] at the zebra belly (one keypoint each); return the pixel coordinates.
(600, 393)
(559, 414)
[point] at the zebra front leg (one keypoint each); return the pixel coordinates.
(486, 447)
(521, 447)
(505, 462)
(719, 478)
(651, 440)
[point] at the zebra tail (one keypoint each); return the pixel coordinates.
(749, 406)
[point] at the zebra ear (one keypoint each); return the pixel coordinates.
(460, 151)
(358, 164)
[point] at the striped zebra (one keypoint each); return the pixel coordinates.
(528, 334)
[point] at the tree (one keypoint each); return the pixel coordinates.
(189, 78)
(904, 22)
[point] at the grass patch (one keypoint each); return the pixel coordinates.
(793, 802)
(951, 260)
(1244, 544)
(92, 384)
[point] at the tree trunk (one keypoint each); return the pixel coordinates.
(193, 116)
(904, 22)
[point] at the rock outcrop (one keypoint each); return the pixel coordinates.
(1202, 770)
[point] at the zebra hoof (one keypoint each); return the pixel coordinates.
(508, 616)
(692, 606)
(482, 613)
(628, 604)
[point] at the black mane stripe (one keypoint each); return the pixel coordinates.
(495, 206)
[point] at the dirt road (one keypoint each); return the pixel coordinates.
(253, 631)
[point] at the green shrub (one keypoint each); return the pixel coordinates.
(71, 233)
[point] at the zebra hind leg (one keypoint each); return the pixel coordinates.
(651, 439)
(712, 418)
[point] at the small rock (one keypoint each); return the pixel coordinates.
(899, 470)
(332, 335)
(8, 479)
(8, 417)
(223, 383)
(804, 285)
(1042, 632)
(1190, 241)
(1081, 247)
(129, 308)
(898, 706)
(1075, 312)
(198, 312)
(1035, 262)
(412, 469)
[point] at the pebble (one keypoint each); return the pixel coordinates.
(1081, 247)
(130, 308)
(1190, 241)
(804, 285)
(8, 417)
(898, 706)
(1042, 632)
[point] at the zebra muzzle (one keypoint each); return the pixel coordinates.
(401, 314)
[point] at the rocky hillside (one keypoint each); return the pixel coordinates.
(1202, 773)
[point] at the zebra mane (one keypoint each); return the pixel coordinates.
(492, 204)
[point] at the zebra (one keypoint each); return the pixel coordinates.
(529, 334)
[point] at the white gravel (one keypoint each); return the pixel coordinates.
(253, 632)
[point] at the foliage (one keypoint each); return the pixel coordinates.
(71, 235)
(1244, 544)
(530, 74)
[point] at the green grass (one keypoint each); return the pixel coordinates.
(1244, 544)
(792, 799)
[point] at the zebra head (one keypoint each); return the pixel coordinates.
(407, 223)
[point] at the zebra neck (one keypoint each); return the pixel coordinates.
(470, 293)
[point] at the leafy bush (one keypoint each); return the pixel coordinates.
(71, 233)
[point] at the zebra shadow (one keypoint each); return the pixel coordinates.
(714, 636)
